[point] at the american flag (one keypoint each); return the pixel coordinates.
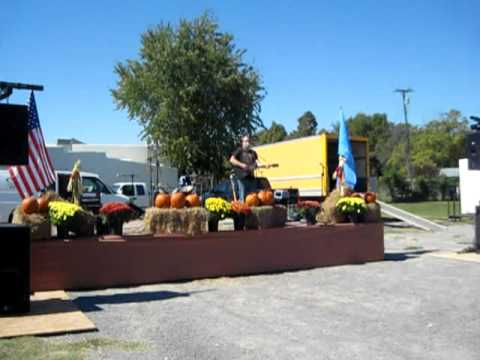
(38, 174)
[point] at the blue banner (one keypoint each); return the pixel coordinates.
(345, 150)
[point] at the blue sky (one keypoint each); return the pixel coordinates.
(312, 55)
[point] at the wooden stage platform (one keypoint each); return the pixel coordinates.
(92, 263)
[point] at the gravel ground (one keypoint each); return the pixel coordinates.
(411, 306)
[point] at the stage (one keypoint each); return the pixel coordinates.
(93, 263)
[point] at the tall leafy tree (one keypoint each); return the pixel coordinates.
(307, 125)
(378, 130)
(276, 132)
(375, 127)
(192, 92)
(440, 143)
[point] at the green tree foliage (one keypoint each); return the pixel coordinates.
(276, 132)
(307, 126)
(379, 131)
(376, 127)
(192, 92)
(440, 143)
(395, 149)
(323, 130)
(437, 144)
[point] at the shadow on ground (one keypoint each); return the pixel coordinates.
(91, 303)
(405, 255)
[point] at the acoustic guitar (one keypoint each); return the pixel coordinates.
(243, 173)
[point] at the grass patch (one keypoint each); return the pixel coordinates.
(34, 348)
(435, 210)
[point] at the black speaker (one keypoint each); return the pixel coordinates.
(14, 268)
(13, 134)
(286, 196)
(473, 150)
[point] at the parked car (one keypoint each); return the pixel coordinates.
(223, 188)
(95, 192)
(136, 192)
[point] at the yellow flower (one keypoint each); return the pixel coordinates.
(61, 211)
(218, 206)
(351, 205)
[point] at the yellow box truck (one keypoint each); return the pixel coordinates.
(307, 164)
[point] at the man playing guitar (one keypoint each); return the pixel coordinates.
(244, 161)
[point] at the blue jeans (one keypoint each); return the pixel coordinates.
(245, 187)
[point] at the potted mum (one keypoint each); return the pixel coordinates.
(62, 214)
(218, 209)
(354, 208)
(114, 214)
(309, 210)
(240, 211)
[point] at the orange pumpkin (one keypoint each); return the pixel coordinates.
(236, 205)
(370, 197)
(43, 204)
(192, 200)
(265, 197)
(30, 205)
(252, 200)
(162, 201)
(177, 200)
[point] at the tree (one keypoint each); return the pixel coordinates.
(378, 130)
(275, 133)
(323, 131)
(307, 126)
(192, 92)
(437, 144)
(440, 143)
(375, 127)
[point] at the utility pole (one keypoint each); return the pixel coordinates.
(157, 165)
(405, 101)
(150, 173)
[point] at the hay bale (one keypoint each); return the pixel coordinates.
(251, 221)
(176, 222)
(197, 221)
(52, 196)
(190, 221)
(328, 211)
(264, 217)
(279, 217)
(40, 227)
(374, 213)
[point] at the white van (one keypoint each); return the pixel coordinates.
(92, 187)
(136, 191)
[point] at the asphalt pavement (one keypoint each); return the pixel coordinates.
(410, 306)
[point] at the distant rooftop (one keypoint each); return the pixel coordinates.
(69, 141)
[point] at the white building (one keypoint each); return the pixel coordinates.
(114, 163)
(469, 187)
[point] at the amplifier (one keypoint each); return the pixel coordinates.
(14, 268)
(286, 196)
(473, 150)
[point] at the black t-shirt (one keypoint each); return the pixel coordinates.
(248, 157)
